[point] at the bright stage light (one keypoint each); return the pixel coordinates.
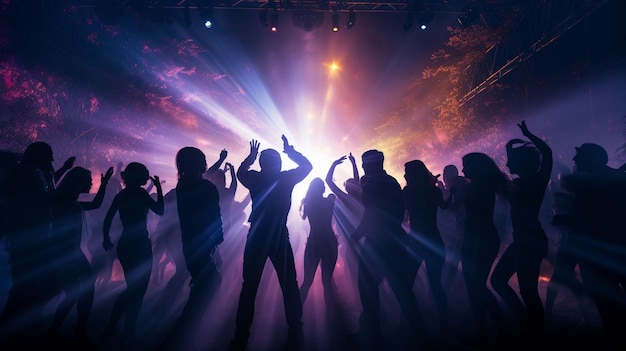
(274, 26)
(425, 19)
(335, 21)
(206, 14)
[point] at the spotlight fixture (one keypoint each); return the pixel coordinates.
(335, 21)
(274, 18)
(425, 19)
(351, 19)
(206, 14)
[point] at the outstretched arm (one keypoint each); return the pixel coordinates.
(97, 200)
(244, 167)
(329, 176)
(546, 152)
(157, 206)
(67, 165)
(216, 166)
(304, 165)
(355, 169)
(233, 177)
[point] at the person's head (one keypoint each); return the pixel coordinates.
(479, 166)
(77, 180)
(416, 173)
(524, 159)
(590, 156)
(353, 187)
(270, 161)
(316, 190)
(135, 174)
(372, 161)
(39, 154)
(449, 173)
(190, 161)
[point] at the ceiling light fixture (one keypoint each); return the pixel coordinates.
(351, 19)
(335, 21)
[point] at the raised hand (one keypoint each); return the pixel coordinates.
(351, 158)
(254, 147)
(286, 147)
(223, 154)
(524, 128)
(339, 160)
(69, 163)
(104, 178)
(156, 181)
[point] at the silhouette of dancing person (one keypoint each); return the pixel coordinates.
(532, 164)
(564, 273)
(481, 243)
(198, 204)
(422, 199)
(321, 246)
(454, 190)
(101, 261)
(28, 200)
(268, 237)
(72, 267)
(597, 218)
(217, 176)
(383, 253)
(168, 242)
(348, 212)
(227, 195)
(134, 248)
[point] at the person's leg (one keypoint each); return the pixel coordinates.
(283, 261)
(529, 257)
(311, 260)
(503, 271)
(435, 261)
(254, 258)
(369, 279)
(329, 260)
(140, 268)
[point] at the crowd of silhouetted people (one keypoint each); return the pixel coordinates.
(61, 247)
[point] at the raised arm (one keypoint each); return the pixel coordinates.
(329, 177)
(233, 177)
(355, 169)
(304, 165)
(157, 206)
(546, 152)
(97, 200)
(244, 167)
(216, 166)
(67, 165)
